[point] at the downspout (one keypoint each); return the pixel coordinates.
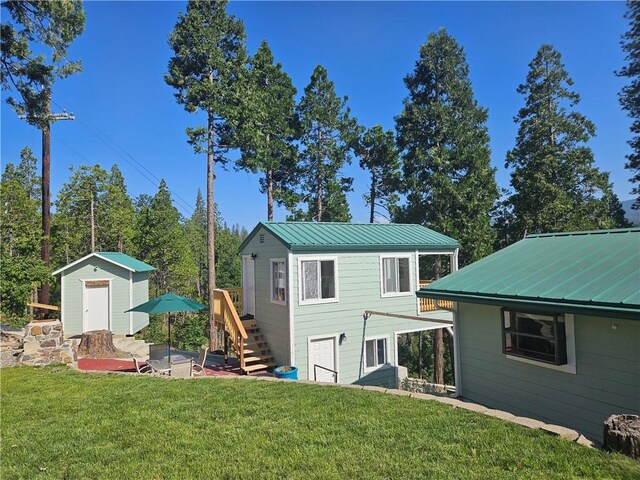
(456, 333)
(290, 297)
(130, 302)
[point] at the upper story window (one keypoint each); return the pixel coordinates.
(278, 281)
(396, 275)
(318, 280)
(533, 336)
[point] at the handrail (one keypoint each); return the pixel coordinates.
(315, 372)
(236, 297)
(429, 304)
(226, 314)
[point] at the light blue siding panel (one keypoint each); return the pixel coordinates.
(607, 379)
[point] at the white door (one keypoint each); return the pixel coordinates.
(248, 285)
(322, 353)
(96, 309)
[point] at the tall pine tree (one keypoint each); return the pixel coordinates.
(556, 186)
(443, 137)
(326, 131)
(630, 94)
(116, 215)
(206, 71)
(379, 158)
(268, 127)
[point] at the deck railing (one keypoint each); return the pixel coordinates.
(236, 298)
(429, 304)
(225, 313)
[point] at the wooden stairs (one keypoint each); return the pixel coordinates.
(257, 355)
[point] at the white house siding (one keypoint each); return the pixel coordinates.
(95, 268)
(606, 382)
(273, 319)
(358, 290)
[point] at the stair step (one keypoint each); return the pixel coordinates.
(249, 323)
(258, 366)
(256, 350)
(257, 358)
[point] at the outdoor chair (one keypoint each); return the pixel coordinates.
(141, 368)
(198, 367)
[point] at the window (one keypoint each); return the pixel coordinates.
(318, 281)
(396, 275)
(278, 281)
(537, 337)
(375, 353)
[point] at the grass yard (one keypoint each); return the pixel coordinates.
(58, 423)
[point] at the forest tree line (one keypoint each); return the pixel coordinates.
(433, 169)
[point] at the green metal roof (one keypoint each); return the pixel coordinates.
(126, 261)
(579, 272)
(328, 237)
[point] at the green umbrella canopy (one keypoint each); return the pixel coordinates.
(169, 302)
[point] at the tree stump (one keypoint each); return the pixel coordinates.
(622, 434)
(99, 344)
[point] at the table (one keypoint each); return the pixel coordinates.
(179, 363)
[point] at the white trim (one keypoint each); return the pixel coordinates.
(286, 293)
(412, 330)
(570, 338)
(292, 339)
(130, 303)
(336, 354)
(387, 363)
(409, 292)
(84, 301)
(318, 258)
(62, 295)
(72, 264)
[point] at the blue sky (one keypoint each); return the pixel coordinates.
(123, 105)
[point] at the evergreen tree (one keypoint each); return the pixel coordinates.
(197, 235)
(268, 127)
(21, 268)
(326, 131)
(444, 143)
(379, 157)
(206, 71)
(75, 224)
(115, 215)
(556, 184)
(630, 94)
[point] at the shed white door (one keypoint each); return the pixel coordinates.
(96, 309)
(322, 353)
(248, 285)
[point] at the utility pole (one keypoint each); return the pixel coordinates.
(46, 187)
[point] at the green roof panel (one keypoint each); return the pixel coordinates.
(127, 261)
(327, 236)
(596, 269)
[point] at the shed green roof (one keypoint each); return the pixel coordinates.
(327, 237)
(127, 261)
(578, 272)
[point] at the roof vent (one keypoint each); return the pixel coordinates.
(262, 238)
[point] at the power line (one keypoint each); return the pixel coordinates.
(139, 167)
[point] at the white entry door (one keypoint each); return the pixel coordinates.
(248, 285)
(96, 309)
(322, 353)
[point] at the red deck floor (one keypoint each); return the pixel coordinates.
(112, 365)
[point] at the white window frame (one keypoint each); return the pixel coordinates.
(316, 301)
(570, 338)
(386, 364)
(272, 261)
(411, 290)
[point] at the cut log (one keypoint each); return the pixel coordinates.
(99, 344)
(621, 434)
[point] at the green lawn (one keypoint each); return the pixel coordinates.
(78, 425)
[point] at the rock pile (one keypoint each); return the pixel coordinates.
(44, 344)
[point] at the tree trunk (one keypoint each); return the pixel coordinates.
(270, 195)
(451, 356)
(438, 357)
(621, 433)
(372, 198)
(214, 334)
(46, 199)
(99, 344)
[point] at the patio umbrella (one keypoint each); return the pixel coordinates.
(169, 302)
